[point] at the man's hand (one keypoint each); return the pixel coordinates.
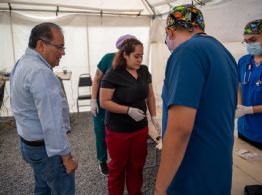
(136, 113)
(94, 107)
(243, 110)
(69, 163)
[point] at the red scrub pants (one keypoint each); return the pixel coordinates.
(128, 153)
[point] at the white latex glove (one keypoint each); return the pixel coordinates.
(159, 143)
(243, 110)
(94, 107)
(136, 113)
(156, 124)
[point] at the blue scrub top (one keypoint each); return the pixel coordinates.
(202, 74)
(250, 125)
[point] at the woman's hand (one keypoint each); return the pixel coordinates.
(243, 110)
(156, 124)
(136, 114)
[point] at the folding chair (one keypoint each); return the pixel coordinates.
(84, 90)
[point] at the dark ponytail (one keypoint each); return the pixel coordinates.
(126, 48)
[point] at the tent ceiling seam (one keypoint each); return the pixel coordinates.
(158, 4)
(150, 7)
(77, 12)
(71, 6)
(150, 11)
(198, 2)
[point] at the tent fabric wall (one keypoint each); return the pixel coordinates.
(141, 7)
(159, 55)
(117, 6)
(6, 46)
(224, 21)
(87, 39)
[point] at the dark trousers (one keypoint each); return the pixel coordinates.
(128, 153)
(49, 172)
(100, 134)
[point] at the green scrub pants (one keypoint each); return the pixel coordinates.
(99, 128)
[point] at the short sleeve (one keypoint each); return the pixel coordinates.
(238, 70)
(106, 62)
(149, 76)
(145, 72)
(187, 70)
(109, 80)
(242, 65)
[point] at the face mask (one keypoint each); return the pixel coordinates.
(167, 42)
(171, 51)
(254, 48)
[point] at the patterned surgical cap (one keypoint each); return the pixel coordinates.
(187, 16)
(254, 27)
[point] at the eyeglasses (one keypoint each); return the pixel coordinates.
(59, 47)
(166, 29)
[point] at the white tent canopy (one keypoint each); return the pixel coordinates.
(135, 7)
(92, 27)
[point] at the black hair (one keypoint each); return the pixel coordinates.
(42, 31)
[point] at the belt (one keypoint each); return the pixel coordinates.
(33, 143)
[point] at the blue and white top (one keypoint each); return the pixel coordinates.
(250, 125)
(39, 104)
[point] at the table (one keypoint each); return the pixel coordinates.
(3, 77)
(61, 75)
(64, 76)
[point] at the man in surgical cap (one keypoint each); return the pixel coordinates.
(199, 100)
(249, 109)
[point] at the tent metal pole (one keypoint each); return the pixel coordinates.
(147, 4)
(88, 48)
(77, 12)
(12, 31)
(57, 10)
(150, 48)
(159, 4)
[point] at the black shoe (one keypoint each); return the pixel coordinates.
(103, 168)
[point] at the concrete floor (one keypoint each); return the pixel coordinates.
(245, 171)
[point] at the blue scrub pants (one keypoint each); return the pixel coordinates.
(49, 172)
(99, 127)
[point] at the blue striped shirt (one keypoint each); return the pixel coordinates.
(38, 103)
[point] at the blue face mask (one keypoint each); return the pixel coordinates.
(167, 42)
(254, 48)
